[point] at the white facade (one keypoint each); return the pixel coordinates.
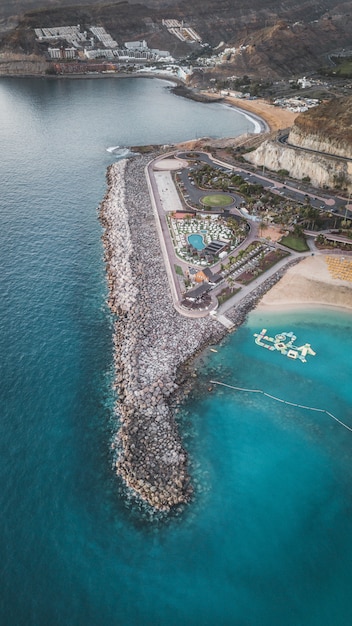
(135, 45)
(62, 53)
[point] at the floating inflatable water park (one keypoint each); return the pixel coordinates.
(285, 344)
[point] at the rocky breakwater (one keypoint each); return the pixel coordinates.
(152, 342)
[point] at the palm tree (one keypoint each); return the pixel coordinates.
(262, 225)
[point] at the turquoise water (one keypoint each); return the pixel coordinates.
(196, 241)
(278, 478)
(267, 540)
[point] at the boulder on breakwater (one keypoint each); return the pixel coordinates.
(151, 341)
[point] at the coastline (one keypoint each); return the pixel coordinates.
(155, 346)
(285, 307)
(261, 112)
(275, 117)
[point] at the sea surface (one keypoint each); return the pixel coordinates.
(268, 538)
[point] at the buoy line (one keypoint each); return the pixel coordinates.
(268, 395)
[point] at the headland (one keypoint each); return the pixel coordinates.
(154, 344)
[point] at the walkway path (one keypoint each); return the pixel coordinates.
(224, 321)
(246, 290)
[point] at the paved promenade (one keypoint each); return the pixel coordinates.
(167, 248)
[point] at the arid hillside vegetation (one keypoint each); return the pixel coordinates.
(271, 39)
(332, 119)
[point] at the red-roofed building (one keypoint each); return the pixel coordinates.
(179, 215)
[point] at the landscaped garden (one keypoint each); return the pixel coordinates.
(217, 200)
(261, 264)
(295, 242)
(250, 263)
(263, 203)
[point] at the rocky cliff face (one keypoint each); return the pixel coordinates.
(327, 128)
(21, 65)
(319, 142)
(316, 143)
(321, 169)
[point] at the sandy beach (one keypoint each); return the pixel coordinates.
(306, 285)
(276, 117)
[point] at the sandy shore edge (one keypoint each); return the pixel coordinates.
(308, 285)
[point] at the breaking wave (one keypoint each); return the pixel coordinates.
(120, 153)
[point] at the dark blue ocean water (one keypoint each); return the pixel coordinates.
(268, 538)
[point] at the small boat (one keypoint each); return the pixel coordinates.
(213, 350)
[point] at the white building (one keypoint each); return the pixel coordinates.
(62, 53)
(135, 45)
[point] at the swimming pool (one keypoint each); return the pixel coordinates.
(196, 241)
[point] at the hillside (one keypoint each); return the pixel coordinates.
(271, 38)
(332, 119)
(316, 142)
(326, 128)
(292, 48)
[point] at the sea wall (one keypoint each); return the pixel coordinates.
(151, 341)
